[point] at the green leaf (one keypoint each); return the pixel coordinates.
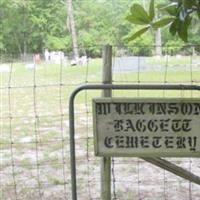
(198, 10)
(183, 28)
(136, 20)
(138, 33)
(170, 9)
(198, 13)
(139, 13)
(188, 21)
(162, 22)
(151, 10)
(182, 32)
(189, 3)
(173, 27)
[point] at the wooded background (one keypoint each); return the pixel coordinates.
(30, 26)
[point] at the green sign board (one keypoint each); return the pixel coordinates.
(146, 127)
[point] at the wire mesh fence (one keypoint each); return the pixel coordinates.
(34, 137)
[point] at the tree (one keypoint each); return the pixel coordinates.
(100, 22)
(72, 28)
(14, 34)
(180, 14)
(31, 26)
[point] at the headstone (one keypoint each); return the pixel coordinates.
(4, 68)
(30, 66)
(47, 55)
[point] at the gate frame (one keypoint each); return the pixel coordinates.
(110, 87)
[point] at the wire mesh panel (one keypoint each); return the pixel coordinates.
(148, 181)
(34, 137)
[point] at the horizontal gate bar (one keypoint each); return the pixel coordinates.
(137, 86)
(156, 161)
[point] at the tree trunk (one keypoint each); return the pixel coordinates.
(72, 29)
(158, 39)
(18, 44)
(158, 43)
(24, 48)
(24, 34)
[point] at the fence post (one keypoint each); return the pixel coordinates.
(106, 161)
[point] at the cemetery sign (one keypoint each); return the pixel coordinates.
(147, 127)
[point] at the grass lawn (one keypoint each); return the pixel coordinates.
(34, 140)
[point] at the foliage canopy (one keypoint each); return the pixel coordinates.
(179, 15)
(28, 26)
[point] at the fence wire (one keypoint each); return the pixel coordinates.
(34, 137)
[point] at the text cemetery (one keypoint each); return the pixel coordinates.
(147, 127)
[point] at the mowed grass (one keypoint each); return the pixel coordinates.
(52, 81)
(34, 116)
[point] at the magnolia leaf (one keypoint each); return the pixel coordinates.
(162, 22)
(183, 28)
(138, 33)
(139, 13)
(136, 20)
(189, 4)
(188, 21)
(173, 27)
(198, 13)
(182, 31)
(170, 9)
(151, 10)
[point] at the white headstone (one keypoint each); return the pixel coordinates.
(4, 68)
